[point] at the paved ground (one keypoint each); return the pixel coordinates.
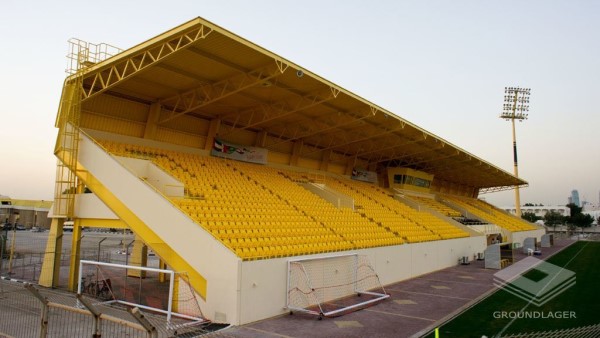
(415, 306)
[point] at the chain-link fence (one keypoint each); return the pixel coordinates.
(22, 255)
(27, 311)
(19, 311)
(23, 252)
(162, 291)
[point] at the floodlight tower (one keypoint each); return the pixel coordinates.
(516, 104)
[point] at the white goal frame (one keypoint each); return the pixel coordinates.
(169, 312)
(357, 290)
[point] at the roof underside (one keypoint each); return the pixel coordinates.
(201, 70)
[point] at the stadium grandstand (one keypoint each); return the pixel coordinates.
(228, 161)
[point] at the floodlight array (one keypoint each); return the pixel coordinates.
(516, 103)
(513, 90)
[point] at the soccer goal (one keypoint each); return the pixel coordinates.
(333, 285)
(157, 290)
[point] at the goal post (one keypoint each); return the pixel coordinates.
(331, 286)
(110, 283)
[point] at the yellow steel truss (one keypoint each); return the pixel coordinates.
(100, 77)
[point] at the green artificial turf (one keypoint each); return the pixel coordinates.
(579, 305)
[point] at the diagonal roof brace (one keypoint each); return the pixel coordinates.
(408, 157)
(315, 128)
(399, 143)
(444, 170)
(361, 139)
(433, 159)
(183, 73)
(501, 188)
(206, 94)
(256, 116)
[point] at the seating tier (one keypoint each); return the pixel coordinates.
(264, 212)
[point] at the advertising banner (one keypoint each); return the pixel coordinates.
(237, 152)
(364, 175)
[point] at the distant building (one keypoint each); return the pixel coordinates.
(575, 197)
(585, 205)
(541, 211)
(28, 213)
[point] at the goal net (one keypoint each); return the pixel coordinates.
(157, 290)
(332, 286)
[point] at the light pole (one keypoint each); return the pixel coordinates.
(516, 106)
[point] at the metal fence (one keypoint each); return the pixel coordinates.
(19, 311)
(28, 312)
(23, 252)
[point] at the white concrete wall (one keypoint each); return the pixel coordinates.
(206, 255)
(263, 283)
(90, 206)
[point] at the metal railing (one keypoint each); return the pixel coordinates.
(24, 252)
(27, 312)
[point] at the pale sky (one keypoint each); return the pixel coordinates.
(442, 65)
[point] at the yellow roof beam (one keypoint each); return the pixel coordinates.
(273, 111)
(206, 94)
(315, 129)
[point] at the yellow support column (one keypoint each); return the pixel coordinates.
(49, 276)
(162, 277)
(138, 257)
(325, 160)
(350, 165)
(213, 131)
(152, 121)
(297, 147)
(75, 255)
(176, 284)
(261, 139)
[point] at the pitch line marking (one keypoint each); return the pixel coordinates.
(400, 315)
(267, 332)
(431, 294)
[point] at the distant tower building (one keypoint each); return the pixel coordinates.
(575, 197)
